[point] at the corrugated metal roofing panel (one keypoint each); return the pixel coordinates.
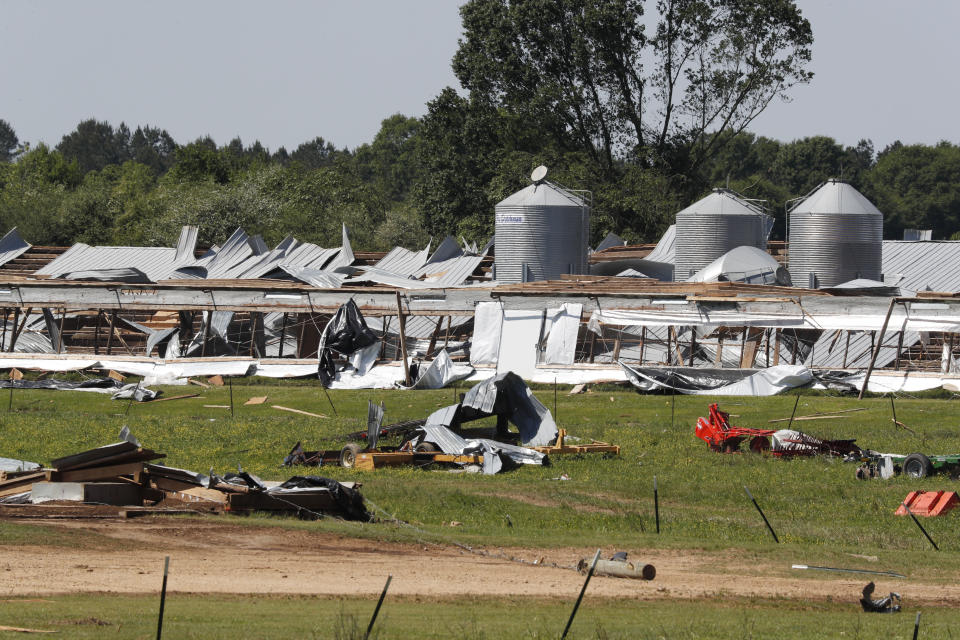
(664, 251)
(12, 246)
(156, 262)
(922, 266)
(403, 262)
(450, 273)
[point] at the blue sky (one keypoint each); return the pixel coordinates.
(286, 72)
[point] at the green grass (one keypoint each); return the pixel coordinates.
(212, 616)
(820, 511)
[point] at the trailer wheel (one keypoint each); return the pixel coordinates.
(348, 455)
(917, 465)
(426, 447)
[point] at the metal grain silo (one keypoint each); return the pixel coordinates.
(714, 225)
(541, 232)
(834, 235)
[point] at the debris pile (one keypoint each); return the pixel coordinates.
(440, 438)
(123, 474)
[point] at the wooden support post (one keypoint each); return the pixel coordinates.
(593, 342)
(19, 330)
(846, 350)
(113, 319)
(283, 333)
(693, 344)
(669, 351)
(403, 340)
(433, 338)
(3, 340)
(385, 323)
(718, 359)
(643, 342)
(896, 363)
(63, 316)
(616, 346)
(206, 332)
(253, 331)
(876, 350)
(15, 333)
(96, 333)
(676, 345)
(946, 370)
(446, 338)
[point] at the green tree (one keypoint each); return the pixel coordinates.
(154, 148)
(588, 72)
(32, 191)
(8, 142)
(95, 145)
(200, 161)
(391, 163)
(917, 187)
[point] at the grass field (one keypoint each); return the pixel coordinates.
(822, 514)
(227, 618)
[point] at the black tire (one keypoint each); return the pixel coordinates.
(917, 465)
(348, 455)
(426, 447)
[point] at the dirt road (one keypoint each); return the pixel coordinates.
(218, 557)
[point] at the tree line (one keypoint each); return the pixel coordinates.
(647, 105)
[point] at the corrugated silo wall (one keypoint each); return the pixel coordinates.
(701, 239)
(546, 240)
(835, 247)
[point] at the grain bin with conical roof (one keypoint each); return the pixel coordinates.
(834, 235)
(714, 225)
(541, 232)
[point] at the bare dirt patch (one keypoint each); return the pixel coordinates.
(220, 557)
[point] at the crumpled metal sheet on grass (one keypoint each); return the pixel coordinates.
(494, 453)
(97, 385)
(441, 372)
(507, 394)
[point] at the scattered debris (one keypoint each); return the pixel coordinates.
(121, 474)
(216, 381)
(256, 400)
(889, 604)
(198, 383)
(440, 438)
(837, 569)
(216, 406)
(303, 413)
(182, 397)
(818, 416)
(23, 630)
(577, 389)
(928, 503)
(619, 567)
(97, 385)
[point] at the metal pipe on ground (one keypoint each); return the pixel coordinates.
(619, 569)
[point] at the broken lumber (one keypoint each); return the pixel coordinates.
(256, 400)
(305, 413)
(186, 395)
